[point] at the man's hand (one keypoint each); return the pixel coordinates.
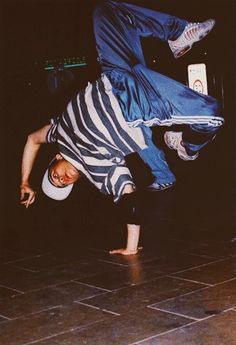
(27, 195)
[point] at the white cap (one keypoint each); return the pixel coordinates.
(53, 192)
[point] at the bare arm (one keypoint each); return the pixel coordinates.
(133, 232)
(32, 146)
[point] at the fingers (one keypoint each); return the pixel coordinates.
(27, 198)
(31, 199)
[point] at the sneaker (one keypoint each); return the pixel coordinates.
(174, 141)
(156, 187)
(192, 33)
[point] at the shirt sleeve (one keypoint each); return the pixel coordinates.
(52, 132)
(117, 178)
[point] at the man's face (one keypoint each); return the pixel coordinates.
(63, 173)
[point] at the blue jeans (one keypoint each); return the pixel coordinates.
(146, 97)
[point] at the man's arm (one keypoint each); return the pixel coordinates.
(32, 146)
(133, 232)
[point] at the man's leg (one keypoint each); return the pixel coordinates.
(155, 159)
(189, 142)
(118, 28)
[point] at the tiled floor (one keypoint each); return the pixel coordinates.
(59, 286)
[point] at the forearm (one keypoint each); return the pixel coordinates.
(130, 213)
(33, 143)
(29, 155)
(30, 152)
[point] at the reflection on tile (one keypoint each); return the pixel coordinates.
(139, 296)
(200, 304)
(212, 273)
(217, 330)
(121, 330)
(144, 271)
(47, 298)
(45, 324)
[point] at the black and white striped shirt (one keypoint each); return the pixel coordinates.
(94, 137)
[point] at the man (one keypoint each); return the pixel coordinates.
(112, 117)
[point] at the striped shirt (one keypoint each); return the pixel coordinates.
(93, 136)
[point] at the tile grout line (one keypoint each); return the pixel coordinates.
(97, 308)
(199, 266)
(5, 317)
(96, 287)
(189, 280)
(72, 329)
(183, 295)
(169, 331)
(9, 288)
(173, 313)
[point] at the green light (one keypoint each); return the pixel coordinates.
(76, 64)
(68, 66)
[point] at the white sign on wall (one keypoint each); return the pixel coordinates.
(197, 78)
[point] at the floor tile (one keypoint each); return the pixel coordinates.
(45, 261)
(33, 302)
(121, 330)
(200, 304)
(212, 273)
(23, 280)
(222, 249)
(141, 272)
(55, 321)
(136, 297)
(217, 330)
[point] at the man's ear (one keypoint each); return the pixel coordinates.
(58, 156)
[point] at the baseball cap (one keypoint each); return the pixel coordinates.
(53, 192)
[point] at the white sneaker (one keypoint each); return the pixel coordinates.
(156, 187)
(173, 141)
(192, 33)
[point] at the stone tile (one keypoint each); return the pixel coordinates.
(33, 302)
(136, 297)
(212, 273)
(23, 280)
(217, 330)
(221, 249)
(45, 261)
(121, 330)
(144, 271)
(42, 325)
(200, 304)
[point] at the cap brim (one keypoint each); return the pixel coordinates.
(53, 192)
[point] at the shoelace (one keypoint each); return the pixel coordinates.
(191, 30)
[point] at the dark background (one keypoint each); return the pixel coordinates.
(31, 32)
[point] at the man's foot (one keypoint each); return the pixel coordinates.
(124, 251)
(157, 187)
(192, 33)
(174, 141)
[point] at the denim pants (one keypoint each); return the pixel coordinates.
(146, 97)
